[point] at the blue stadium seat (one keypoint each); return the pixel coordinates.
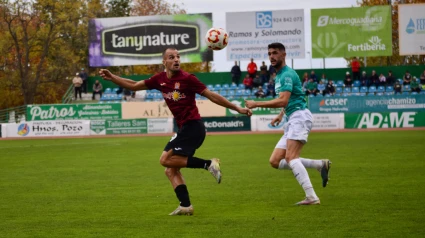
(413, 93)
(247, 92)
(347, 90)
(108, 90)
(356, 83)
(223, 93)
(389, 93)
(233, 86)
(389, 89)
(422, 92)
(405, 93)
(355, 90)
(372, 89)
(406, 88)
(340, 83)
(344, 94)
(363, 89)
(231, 92)
(225, 86)
(210, 87)
(241, 86)
(379, 94)
(311, 95)
(380, 89)
(239, 93)
(217, 87)
(362, 94)
(328, 95)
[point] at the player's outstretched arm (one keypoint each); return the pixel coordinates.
(220, 100)
(123, 82)
(279, 102)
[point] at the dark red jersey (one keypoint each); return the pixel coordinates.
(179, 93)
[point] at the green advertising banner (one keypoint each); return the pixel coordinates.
(118, 127)
(255, 111)
(384, 120)
(367, 103)
(350, 32)
(227, 123)
(73, 112)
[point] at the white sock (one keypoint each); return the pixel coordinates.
(308, 163)
(301, 175)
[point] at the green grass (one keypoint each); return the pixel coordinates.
(115, 187)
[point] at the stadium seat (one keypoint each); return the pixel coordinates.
(372, 89)
(406, 88)
(380, 94)
(328, 95)
(108, 90)
(389, 93)
(389, 89)
(210, 87)
(239, 93)
(247, 92)
(413, 93)
(217, 87)
(355, 90)
(363, 89)
(225, 86)
(356, 83)
(422, 92)
(340, 83)
(241, 86)
(344, 94)
(338, 90)
(231, 93)
(362, 94)
(223, 93)
(380, 89)
(233, 86)
(311, 95)
(405, 93)
(347, 90)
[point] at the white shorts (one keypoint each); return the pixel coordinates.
(296, 127)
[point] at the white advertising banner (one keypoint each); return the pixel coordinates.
(328, 121)
(411, 29)
(251, 32)
(263, 123)
(48, 128)
(162, 125)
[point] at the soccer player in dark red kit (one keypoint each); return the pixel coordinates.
(179, 89)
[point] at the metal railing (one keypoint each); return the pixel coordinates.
(13, 114)
(67, 97)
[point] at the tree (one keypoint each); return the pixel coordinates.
(395, 59)
(34, 36)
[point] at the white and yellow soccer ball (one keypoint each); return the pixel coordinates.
(216, 38)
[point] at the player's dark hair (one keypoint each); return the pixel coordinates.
(165, 50)
(277, 45)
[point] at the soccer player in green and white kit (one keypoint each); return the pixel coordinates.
(298, 123)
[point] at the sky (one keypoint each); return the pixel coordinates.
(219, 7)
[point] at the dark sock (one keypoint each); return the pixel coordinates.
(182, 195)
(197, 163)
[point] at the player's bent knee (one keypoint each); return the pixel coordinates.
(165, 158)
(274, 162)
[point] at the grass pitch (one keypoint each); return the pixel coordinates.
(115, 187)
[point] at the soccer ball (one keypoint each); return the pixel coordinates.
(216, 38)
